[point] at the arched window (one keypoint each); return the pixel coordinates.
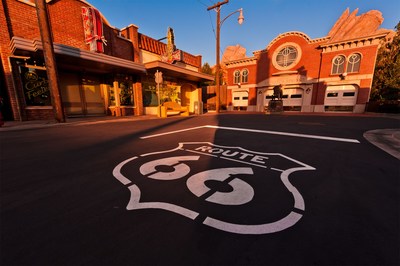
(353, 64)
(236, 77)
(338, 64)
(245, 74)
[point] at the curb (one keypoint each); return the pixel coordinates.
(385, 139)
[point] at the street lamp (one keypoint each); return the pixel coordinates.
(217, 8)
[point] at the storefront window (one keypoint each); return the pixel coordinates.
(149, 94)
(170, 93)
(167, 92)
(126, 93)
(36, 87)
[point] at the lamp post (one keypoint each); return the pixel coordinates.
(219, 23)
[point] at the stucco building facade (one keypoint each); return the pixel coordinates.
(102, 70)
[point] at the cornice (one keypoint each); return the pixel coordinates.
(353, 43)
(242, 61)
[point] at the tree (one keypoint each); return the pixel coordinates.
(206, 69)
(386, 82)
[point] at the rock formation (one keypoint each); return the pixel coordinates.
(351, 26)
(233, 53)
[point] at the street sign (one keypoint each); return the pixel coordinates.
(158, 77)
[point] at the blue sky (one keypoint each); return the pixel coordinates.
(194, 26)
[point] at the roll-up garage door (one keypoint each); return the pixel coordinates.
(340, 98)
(240, 99)
(292, 98)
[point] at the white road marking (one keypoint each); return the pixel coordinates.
(171, 132)
(117, 171)
(242, 191)
(291, 219)
(134, 204)
(225, 158)
(256, 131)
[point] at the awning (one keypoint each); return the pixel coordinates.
(77, 59)
(178, 71)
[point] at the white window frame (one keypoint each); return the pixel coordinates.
(353, 66)
(236, 76)
(338, 66)
(245, 78)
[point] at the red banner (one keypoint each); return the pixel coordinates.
(93, 28)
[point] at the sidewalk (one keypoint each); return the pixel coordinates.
(22, 125)
(385, 139)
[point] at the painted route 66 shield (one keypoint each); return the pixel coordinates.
(227, 188)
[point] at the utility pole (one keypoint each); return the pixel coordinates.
(217, 8)
(49, 58)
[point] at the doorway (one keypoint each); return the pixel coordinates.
(82, 96)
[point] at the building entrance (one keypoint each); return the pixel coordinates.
(240, 100)
(340, 98)
(292, 98)
(81, 96)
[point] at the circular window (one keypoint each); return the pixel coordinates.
(286, 56)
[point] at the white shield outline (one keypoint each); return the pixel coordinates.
(292, 218)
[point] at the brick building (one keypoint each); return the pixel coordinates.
(333, 73)
(102, 70)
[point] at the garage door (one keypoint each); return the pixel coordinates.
(240, 99)
(292, 98)
(340, 98)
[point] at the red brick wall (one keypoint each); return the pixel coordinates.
(192, 59)
(252, 96)
(368, 58)
(229, 97)
(364, 91)
(39, 114)
(252, 77)
(4, 53)
(319, 93)
(308, 64)
(117, 46)
(157, 47)
(66, 23)
(23, 19)
(19, 17)
(367, 65)
(131, 33)
(67, 26)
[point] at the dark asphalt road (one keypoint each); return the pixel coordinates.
(240, 189)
